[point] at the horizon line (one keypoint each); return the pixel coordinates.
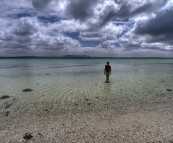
(86, 57)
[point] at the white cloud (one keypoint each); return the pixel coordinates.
(25, 37)
(54, 43)
(107, 33)
(69, 26)
(138, 26)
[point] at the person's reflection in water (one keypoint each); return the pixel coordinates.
(107, 88)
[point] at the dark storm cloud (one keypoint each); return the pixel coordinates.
(108, 15)
(151, 31)
(164, 38)
(159, 28)
(129, 9)
(40, 4)
(80, 9)
(6, 36)
(161, 24)
(105, 11)
(24, 28)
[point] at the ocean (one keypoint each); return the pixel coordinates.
(79, 85)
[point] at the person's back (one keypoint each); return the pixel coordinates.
(107, 70)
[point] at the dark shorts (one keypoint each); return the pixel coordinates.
(107, 74)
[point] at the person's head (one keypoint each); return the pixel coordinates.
(107, 63)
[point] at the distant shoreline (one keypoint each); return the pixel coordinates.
(82, 57)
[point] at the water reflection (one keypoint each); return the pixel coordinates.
(107, 87)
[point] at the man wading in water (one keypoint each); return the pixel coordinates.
(107, 71)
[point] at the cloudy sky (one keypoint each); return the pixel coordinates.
(118, 28)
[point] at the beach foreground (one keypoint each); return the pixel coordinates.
(127, 127)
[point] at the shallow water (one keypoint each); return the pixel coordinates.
(61, 85)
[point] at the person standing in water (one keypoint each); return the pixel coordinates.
(107, 71)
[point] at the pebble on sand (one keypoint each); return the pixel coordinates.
(27, 136)
(7, 113)
(88, 103)
(27, 90)
(8, 105)
(5, 97)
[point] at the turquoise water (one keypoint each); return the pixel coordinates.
(61, 85)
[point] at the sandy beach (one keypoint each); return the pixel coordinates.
(128, 126)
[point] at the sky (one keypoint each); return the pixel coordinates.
(99, 28)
